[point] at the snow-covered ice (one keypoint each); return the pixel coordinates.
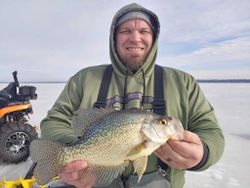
(232, 106)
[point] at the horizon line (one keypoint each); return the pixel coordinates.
(213, 80)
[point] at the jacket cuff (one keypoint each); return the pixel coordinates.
(203, 160)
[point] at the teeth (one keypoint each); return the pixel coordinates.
(134, 48)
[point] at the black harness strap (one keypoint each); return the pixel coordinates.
(159, 104)
(103, 91)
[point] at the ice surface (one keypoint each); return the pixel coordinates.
(232, 106)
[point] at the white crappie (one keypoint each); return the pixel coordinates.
(110, 139)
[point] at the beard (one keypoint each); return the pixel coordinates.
(134, 66)
(133, 60)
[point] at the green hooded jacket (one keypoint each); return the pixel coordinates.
(183, 96)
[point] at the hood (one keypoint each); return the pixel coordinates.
(118, 66)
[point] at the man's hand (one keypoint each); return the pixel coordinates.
(71, 175)
(183, 154)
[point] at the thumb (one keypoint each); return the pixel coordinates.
(191, 137)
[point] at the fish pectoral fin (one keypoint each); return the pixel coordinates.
(136, 150)
(104, 174)
(140, 166)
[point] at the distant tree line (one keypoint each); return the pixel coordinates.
(223, 80)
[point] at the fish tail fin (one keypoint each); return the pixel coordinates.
(47, 155)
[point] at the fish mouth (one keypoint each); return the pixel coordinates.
(177, 136)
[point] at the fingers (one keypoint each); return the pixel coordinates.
(191, 137)
(166, 152)
(71, 174)
(182, 154)
(169, 156)
(189, 147)
(75, 166)
(70, 171)
(88, 181)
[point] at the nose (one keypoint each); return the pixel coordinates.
(135, 36)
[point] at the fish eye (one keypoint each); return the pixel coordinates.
(163, 122)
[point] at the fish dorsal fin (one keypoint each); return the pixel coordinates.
(83, 119)
(104, 174)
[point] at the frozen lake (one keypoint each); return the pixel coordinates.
(232, 106)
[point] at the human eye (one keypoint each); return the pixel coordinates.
(124, 31)
(145, 31)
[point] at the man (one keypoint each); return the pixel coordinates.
(133, 47)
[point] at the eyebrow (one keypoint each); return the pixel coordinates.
(146, 28)
(126, 27)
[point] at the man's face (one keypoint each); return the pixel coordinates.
(134, 39)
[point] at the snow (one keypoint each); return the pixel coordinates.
(231, 103)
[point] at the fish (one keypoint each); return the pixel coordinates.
(109, 140)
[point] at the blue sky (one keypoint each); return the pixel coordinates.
(50, 40)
